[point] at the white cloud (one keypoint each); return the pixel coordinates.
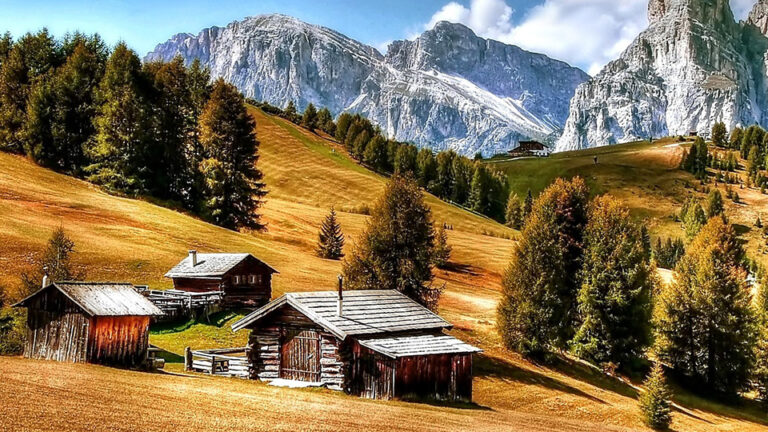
(585, 33)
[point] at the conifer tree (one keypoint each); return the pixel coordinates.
(614, 302)
(537, 308)
(445, 178)
(442, 252)
(396, 249)
(705, 324)
(655, 402)
(479, 190)
(309, 119)
(376, 153)
(234, 190)
(719, 134)
(325, 122)
(760, 371)
(290, 112)
(737, 134)
(56, 262)
(360, 144)
(427, 168)
(342, 127)
(121, 146)
(715, 206)
(463, 173)
(405, 160)
(514, 213)
(330, 243)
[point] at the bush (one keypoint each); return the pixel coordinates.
(655, 402)
(13, 331)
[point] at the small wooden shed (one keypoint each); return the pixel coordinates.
(93, 322)
(244, 279)
(376, 344)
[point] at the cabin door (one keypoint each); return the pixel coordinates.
(300, 355)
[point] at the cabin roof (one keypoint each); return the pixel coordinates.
(102, 298)
(417, 345)
(366, 312)
(211, 265)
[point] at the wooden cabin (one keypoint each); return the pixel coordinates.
(103, 323)
(530, 148)
(245, 280)
(374, 344)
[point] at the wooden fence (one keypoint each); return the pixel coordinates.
(231, 362)
(175, 303)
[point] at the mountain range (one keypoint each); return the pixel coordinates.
(447, 89)
(694, 66)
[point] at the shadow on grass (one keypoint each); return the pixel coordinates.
(733, 407)
(465, 269)
(493, 367)
(445, 404)
(591, 375)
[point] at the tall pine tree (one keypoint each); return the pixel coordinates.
(330, 243)
(396, 248)
(233, 190)
(538, 304)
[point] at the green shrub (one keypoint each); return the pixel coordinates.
(13, 332)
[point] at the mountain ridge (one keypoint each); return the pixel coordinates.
(447, 89)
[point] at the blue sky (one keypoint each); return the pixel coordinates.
(586, 33)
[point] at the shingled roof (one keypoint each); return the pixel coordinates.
(367, 312)
(102, 298)
(420, 344)
(211, 265)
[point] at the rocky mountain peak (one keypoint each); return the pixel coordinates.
(758, 17)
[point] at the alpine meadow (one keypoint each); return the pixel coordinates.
(261, 223)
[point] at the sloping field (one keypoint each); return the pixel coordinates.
(137, 241)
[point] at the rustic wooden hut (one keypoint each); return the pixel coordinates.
(530, 148)
(104, 323)
(244, 279)
(376, 344)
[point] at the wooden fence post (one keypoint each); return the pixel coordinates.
(187, 359)
(213, 365)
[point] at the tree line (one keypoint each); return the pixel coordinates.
(582, 279)
(446, 174)
(160, 129)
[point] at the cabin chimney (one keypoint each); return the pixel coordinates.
(45, 276)
(193, 257)
(340, 305)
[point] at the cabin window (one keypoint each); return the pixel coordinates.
(255, 279)
(236, 279)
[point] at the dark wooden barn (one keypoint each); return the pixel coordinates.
(103, 323)
(375, 344)
(530, 148)
(244, 279)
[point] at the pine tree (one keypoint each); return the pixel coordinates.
(719, 134)
(737, 134)
(342, 127)
(120, 150)
(760, 370)
(360, 144)
(445, 180)
(655, 402)
(715, 206)
(614, 302)
(325, 122)
(290, 112)
(705, 324)
(405, 160)
(693, 217)
(427, 168)
(537, 308)
(234, 190)
(514, 213)
(479, 190)
(396, 249)
(442, 252)
(330, 243)
(56, 262)
(309, 119)
(463, 173)
(376, 153)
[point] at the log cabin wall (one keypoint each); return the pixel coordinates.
(57, 329)
(267, 345)
(120, 340)
(442, 377)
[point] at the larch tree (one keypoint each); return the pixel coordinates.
(330, 243)
(720, 134)
(442, 252)
(514, 212)
(715, 205)
(396, 249)
(705, 324)
(55, 261)
(655, 402)
(539, 289)
(614, 302)
(233, 190)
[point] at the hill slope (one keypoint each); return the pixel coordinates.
(136, 241)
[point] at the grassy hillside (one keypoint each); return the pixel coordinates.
(136, 241)
(646, 177)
